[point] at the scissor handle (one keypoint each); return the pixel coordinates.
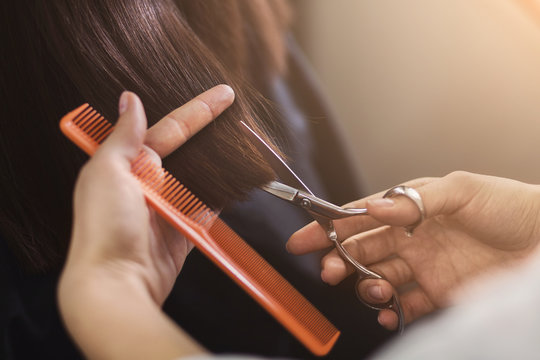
(364, 274)
(392, 304)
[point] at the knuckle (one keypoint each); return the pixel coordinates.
(400, 272)
(460, 176)
(203, 107)
(356, 249)
(384, 271)
(408, 311)
(182, 127)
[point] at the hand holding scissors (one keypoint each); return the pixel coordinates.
(474, 225)
(293, 190)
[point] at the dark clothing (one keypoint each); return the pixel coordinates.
(30, 325)
(206, 302)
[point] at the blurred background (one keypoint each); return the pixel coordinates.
(426, 87)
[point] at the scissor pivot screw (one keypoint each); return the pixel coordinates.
(332, 235)
(306, 203)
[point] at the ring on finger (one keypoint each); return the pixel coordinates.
(415, 197)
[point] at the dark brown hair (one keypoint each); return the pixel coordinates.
(62, 53)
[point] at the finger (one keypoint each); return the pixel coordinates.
(128, 134)
(181, 124)
(367, 248)
(397, 211)
(335, 269)
(395, 271)
(375, 291)
(450, 193)
(354, 225)
(154, 157)
(313, 238)
(439, 196)
(310, 238)
(414, 303)
(388, 319)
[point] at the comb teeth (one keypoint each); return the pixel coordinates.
(90, 127)
(304, 317)
(93, 124)
(165, 187)
(183, 210)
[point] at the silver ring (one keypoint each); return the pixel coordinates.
(412, 194)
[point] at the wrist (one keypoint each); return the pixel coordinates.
(112, 315)
(84, 290)
(91, 279)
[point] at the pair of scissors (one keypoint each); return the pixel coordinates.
(294, 191)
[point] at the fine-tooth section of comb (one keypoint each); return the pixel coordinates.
(183, 210)
(304, 317)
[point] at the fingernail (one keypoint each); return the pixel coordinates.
(324, 277)
(227, 93)
(123, 103)
(287, 247)
(384, 202)
(375, 292)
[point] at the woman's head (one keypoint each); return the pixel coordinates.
(63, 53)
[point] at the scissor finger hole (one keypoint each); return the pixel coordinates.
(416, 199)
(375, 293)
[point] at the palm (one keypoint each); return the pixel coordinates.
(168, 250)
(442, 257)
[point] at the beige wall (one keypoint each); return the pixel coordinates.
(425, 87)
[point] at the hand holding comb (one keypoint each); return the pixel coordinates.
(87, 128)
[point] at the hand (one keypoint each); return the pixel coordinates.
(119, 247)
(473, 223)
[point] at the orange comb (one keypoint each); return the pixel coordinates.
(175, 203)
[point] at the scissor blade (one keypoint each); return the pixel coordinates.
(280, 190)
(282, 170)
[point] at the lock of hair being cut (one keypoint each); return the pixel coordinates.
(66, 52)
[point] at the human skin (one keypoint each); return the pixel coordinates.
(473, 224)
(123, 259)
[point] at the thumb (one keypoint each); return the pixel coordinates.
(127, 138)
(440, 196)
(396, 211)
